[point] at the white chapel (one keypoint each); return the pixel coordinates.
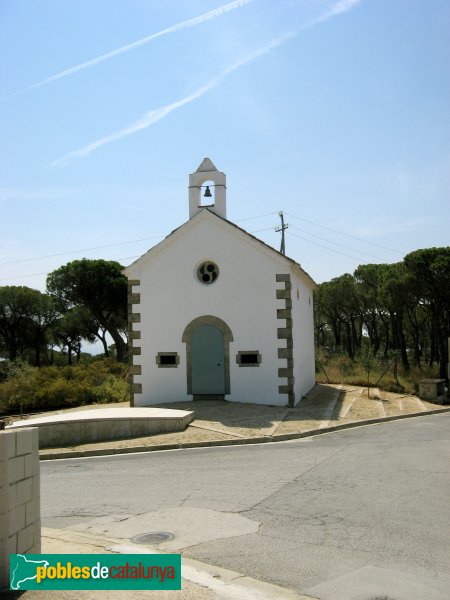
(215, 313)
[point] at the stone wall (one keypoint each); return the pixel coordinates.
(20, 525)
(285, 349)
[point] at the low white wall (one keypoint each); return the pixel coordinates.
(20, 525)
(66, 430)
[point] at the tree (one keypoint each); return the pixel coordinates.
(46, 313)
(394, 294)
(429, 280)
(25, 317)
(94, 330)
(327, 313)
(101, 288)
(340, 305)
(69, 331)
(374, 315)
(403, 308)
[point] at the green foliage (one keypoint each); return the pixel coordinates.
(25, 317)
(87, 299)
(19, 385)
(402, 307)
(30, 389)
(112, 389)
(98, 286)
(70, 329)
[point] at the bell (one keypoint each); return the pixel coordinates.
(207, 193)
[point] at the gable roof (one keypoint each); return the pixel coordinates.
(301, 272)
(206, 165)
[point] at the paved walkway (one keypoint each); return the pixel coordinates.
(326, 408)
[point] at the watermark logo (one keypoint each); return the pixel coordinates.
(95, 572)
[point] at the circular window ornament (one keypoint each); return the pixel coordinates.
(207, 272)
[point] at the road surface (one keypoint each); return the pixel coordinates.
(358, 514)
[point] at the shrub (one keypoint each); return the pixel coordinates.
(112, 389)
(17, 391)
(29, 388)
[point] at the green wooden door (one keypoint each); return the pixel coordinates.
(208, 364)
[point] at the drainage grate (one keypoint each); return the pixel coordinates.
(154, 537)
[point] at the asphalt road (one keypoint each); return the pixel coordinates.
(360, 514)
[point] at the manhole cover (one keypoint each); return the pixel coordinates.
(154, 537)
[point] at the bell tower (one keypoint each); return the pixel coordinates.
(213, 195)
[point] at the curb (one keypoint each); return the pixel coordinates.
(237, 441)
(219, 581)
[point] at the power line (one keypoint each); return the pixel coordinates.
(326, 247)
(320, 237)
(256, 217)
(342, 233)
(152, 237)
(263, 229)
(329, 229)
(46, 272)
(127, 257)
(238, 221)
(138, 255)
(336, 243)
(22, 276)
(108, 246)
(9, 262)
(19, 260)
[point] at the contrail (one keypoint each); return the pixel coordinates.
(155, 115)
(212, 14)
(338, 8)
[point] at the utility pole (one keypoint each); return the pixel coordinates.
(282, 229)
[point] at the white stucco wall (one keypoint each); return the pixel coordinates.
(303, 334)
(244, 296)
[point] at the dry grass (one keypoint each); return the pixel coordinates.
(339, 368)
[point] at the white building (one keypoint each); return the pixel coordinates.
(216, 313)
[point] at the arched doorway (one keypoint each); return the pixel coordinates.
(208, 361)
(207, 340)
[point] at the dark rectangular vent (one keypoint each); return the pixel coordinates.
(246, 359)
(168, 360)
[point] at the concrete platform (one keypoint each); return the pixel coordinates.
(105, 424)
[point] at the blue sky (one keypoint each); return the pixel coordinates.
(336, 112)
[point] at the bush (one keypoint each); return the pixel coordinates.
(112, 389)
(16, 391)
(29, 388)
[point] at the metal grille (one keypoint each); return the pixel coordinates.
(154, 537)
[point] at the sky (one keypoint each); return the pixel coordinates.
(335, 112)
